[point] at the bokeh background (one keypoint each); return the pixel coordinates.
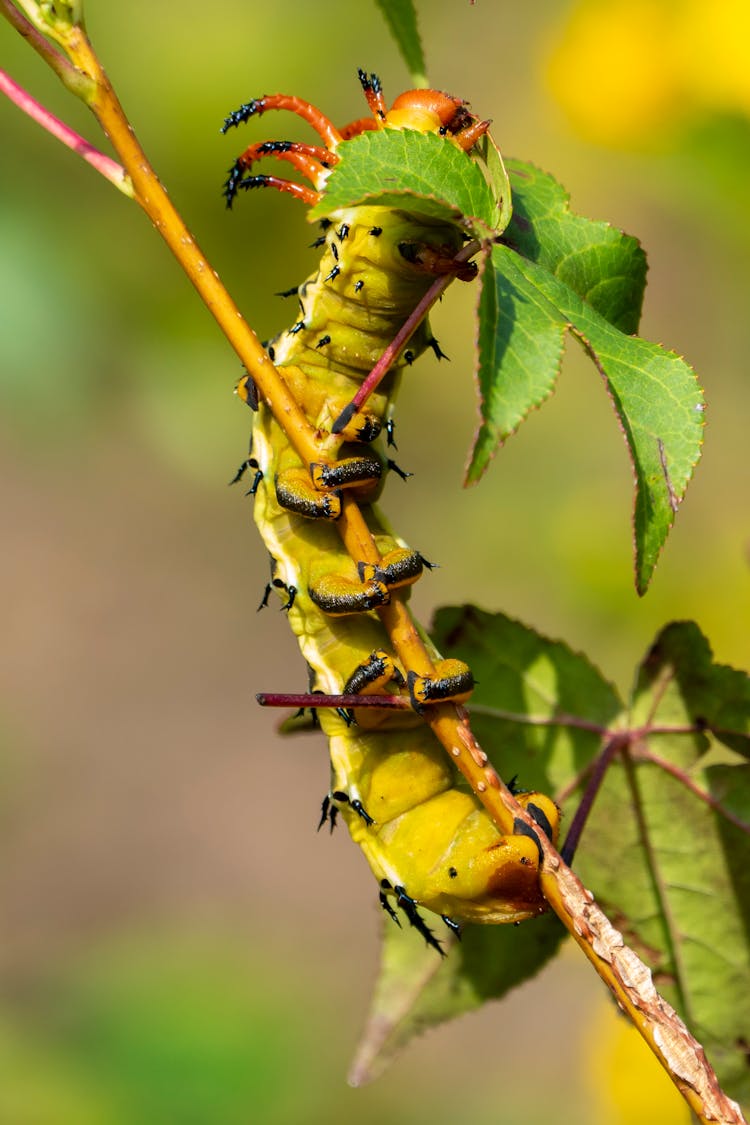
(178, 945)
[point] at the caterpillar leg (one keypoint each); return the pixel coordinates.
(543, 811)
(397, 568)
(235, 181)
(452, 680)
(311, 160)
(379, 676)
(349, 472)
(415, 919)
(325, 129)
(359, 426)
(452, 925)
(249, 463)
(373, 91)
(383, 899)
(409, 907)
(277, 584)
(338, 596)
(330, 809)
(356, 128)
(373, 675)
(470, 134)
(296, 492)
(317, 494)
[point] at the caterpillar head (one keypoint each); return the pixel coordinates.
(428, 111)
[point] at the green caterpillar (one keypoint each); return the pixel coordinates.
(429, 841)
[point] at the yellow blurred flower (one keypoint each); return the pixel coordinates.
(632, 73)
(714, 46)
(628, 1086)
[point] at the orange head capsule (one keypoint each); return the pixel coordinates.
(428, 111)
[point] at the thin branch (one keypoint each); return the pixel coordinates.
(602, 763)
(646, 755)
(108, 167)
(558, 720)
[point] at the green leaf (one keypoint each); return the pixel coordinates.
(401, 17)
(416, 989)
(525, 310)
(411, 170)
(497, 175)
(671, 869)
(519, 352)
(605, 267)
(715, 695)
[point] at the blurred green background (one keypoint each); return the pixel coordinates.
(178, 944)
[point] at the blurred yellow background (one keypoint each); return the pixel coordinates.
(178, 944)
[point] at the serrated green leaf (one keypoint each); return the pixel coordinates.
(519, 352)
(416, 989)
(497, 176)
(401, 17)
(672, 871)
(411, 170)
(715, 695)
(655, 394)
(605, 267)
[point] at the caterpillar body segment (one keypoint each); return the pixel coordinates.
(430, 835)
(427, 838)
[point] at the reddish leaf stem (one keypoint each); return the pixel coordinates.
(310, 699)
(701, 794)
(612, 748)
(108, 167)
(407, 329)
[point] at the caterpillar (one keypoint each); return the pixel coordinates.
(429, 842)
